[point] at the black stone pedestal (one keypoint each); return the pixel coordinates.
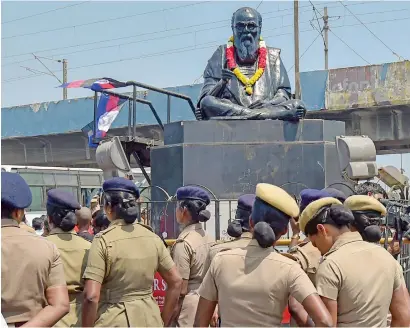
(231, 157)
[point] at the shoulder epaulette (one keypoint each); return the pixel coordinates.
(146, 227)
(101, 233)
(289, 256)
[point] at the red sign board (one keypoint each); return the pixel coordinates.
(159, 289)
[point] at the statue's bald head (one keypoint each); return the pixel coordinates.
(246, 14)
(84, 217)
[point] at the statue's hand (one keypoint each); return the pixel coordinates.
(227, 74)
(296, 108)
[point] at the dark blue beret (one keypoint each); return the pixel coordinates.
(15, 191)
(340, 195)
(62, 199)
(308, 196)
(121, 184)
(245, 202)
(193, 193)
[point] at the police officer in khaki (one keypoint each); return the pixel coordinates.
(305, 254)
(33, 287)
(191, 249)
(239, 228)
(358, 281)
(61, 207)
(121, 266)
(252, 284)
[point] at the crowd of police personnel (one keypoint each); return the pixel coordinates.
(338, 276)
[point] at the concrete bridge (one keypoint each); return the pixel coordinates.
(372, 100)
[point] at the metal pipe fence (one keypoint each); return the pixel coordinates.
(161, 216)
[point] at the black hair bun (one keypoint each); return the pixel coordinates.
(68, 222)
(129, 215)
(264, 234)
(234, 229)
(204, 216)
(341, 215)
(372, 234)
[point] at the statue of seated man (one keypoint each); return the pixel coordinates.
(245, 79)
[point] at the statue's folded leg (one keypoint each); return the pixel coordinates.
(214, 107)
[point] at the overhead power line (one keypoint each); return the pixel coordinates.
(45, 12)
(344, 42)
(140, 41)
(139, 14)
(180, 50)
(306, 50)
(394, 53)
(104, 20)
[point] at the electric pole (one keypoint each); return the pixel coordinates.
(326, 30)
(64, 78)
(296, 36)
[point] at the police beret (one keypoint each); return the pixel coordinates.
(364, 203)
(15, 191)
(63, 199)
(277, 198)
(310, 195)
(121, 184)
(335, 193)
(193, 193)
(311, 210)
(245, 202)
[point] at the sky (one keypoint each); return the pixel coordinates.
(168, 43)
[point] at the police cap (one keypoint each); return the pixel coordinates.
(308, 196)
(193, 193)
(121, 184)
(15, 191)
(363, 203)
(62, 199)
(245, 202)
(277, 198)
(335, 193)
(313, 208)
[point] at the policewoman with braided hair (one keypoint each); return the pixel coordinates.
(358, 281)
(190, 251)
(61, 207)
(252, 284)
(121, 266)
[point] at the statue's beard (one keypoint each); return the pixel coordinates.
(247, 49)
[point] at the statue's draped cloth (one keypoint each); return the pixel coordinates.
(272, 84)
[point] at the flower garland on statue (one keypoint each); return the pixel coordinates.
(262, 56)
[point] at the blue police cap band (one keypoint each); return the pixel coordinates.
(121, 185)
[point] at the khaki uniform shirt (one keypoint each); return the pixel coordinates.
(124, 259)
(30, 265)
(252, 285)
(308, 258)
(242, 241)
(74, 253)
(361, 277)
(190, 254)
(26, 227)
